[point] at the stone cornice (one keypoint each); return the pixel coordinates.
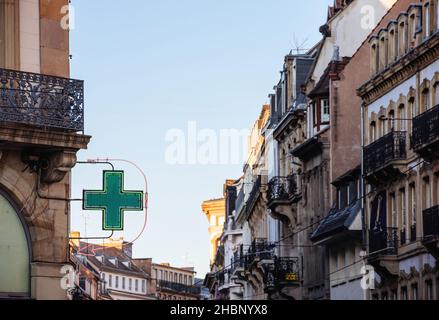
(44, 139)
(403, 69)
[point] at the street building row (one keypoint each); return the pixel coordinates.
(339, 196)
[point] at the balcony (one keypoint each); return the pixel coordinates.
(260, 250)
(283, 192)
(41, 101)
(425, 139)
(382, 158)
(254, 194)
(238, 263)
(431, 230)
(178, 288)
(383, 251)
(284, 272)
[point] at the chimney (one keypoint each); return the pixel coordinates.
(128, 249)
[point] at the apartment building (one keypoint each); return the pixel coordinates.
(175, 283)
(41, 129)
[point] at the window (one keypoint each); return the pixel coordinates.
(437, 15)
(14, 251)
(392, 210)
(123, 283)
(130, 284)
(110, 280)
(374, 59)
(117, 281)
(103, 277)
(415, 295)
(404, 293)
(413, 204)
(392, 46)
(425, 100)
(436, 93)
(402, 39)
(429, 295)
(391, 120)
(428, 203)
(185, 280)
(325, 110)
(403, 209)
(402, 118)
(427, 17)
(144, 286)
(412, 30)
(373, 133)
(383, 53)
(412, 107)
(136, 286)
(394, 295)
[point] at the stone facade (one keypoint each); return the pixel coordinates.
(36, 161)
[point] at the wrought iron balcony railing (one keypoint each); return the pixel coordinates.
(254, 194)
(282, 188)
(260, 249)
(382, 152)
(383, 242)
(240, 200)
(426, 128)
(41, 100)
(431, 222)
(238, 261)
(283, 272)
(178, 287)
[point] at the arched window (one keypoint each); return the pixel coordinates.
(14, 252)
(391, 122)
(402, 39)
(425, 102)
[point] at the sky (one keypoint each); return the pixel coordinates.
(151, 67)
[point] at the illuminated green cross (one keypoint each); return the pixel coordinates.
(113, 200)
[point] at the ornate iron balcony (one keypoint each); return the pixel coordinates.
(382, 152)
(431, 222)
(283, 272)
(383, 242)
(254, 194)
(426, 129)
(260, 249)
(238, 260)
(282, 188)
(41, 100)
(178, 287)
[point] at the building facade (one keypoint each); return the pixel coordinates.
(41, 129)
(330, 194)
(399, 155)
(175, 283)
(109, 272)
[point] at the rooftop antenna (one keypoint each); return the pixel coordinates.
(298, 45)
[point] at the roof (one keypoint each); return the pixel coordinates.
(337, 221)
(108, 258)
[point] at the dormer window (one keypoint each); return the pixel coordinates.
(427, 18)
(402, 38)
(325, 110)
(383, 50)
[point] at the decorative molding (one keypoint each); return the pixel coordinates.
(415, 60)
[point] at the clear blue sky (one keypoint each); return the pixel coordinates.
(150, 66)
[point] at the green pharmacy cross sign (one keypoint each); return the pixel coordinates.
(113, 201)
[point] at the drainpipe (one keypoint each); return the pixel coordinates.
(363, 196)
